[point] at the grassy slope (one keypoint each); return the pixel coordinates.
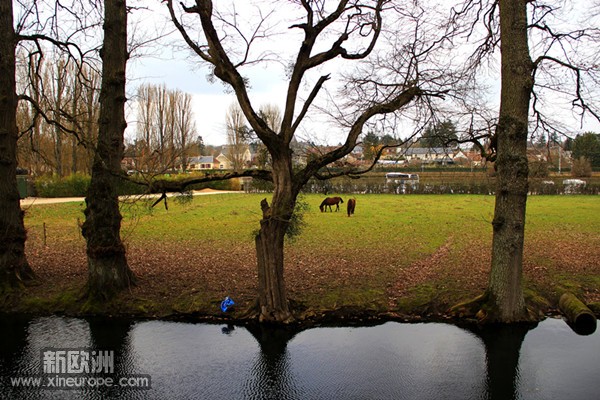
(397, 253)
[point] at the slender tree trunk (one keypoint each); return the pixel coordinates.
(505, 292)
(14, 267)
(74, 156)
(74, 105)
(184, 151)
(58, 136)
(108, 271)
(273, 302)
(37, 161)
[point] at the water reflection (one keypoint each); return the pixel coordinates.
(113, 335)
(502, 349)
(228, 329)
(271, 376)
(389, 361)
(584, 327)
(13, 344)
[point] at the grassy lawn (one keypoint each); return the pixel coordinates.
(406, 254)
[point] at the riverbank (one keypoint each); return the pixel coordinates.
(172, 285)
(397, 258)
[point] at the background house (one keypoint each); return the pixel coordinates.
(430, 155)
(208, 162)
(223, 162)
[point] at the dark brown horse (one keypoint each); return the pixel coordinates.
(351, 206)
(330, 201)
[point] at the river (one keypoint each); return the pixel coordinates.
(205, 361)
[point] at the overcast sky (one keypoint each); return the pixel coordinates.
(178, 69)
(210, 100)
(175, 66)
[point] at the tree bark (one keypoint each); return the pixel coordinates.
(505, 292)
(14, 267)
(272, 302)
(108, 271)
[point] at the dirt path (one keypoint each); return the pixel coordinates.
(29, 201)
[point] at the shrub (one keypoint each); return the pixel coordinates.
(74, 185)
(582, 168)
(231, 184)
(538, 169)
(258, 186)
(297, 223)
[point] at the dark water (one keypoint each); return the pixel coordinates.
(389, 361)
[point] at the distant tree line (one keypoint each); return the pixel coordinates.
(587, 147)
(57, 135)
(165, 129)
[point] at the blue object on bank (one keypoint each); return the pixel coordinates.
(225, 304)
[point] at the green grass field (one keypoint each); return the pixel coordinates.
(381, 221)
(396, 253)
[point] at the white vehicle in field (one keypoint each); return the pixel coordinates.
(574, 185)
(400, 181)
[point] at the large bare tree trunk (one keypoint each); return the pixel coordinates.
(505, 292)
(108, 271)
(13, 263)
(272, 301)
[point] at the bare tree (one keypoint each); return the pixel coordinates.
(59, 94)
(59, 82)
(14, 267)
(505, 290)
(74, 111)
(185, 129)
(236, 133)
(171, 119)
(47, 84)
(161, 127)
(35, 159)
(271, 114)
(90, 115)
(165, 126)
(108, 271)
(348, 31)
(145, 121)
(28, 29)
(525, 82)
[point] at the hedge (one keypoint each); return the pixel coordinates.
(76, 185)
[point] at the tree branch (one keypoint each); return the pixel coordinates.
(396, 103)
(224, 69)
(193, 45)
(307, 104)
(579, 100)
(51, 121)
(164, 185)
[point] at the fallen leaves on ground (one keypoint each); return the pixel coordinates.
(181, 272)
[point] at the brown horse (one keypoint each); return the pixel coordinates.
(330, 201)
(351, 206)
